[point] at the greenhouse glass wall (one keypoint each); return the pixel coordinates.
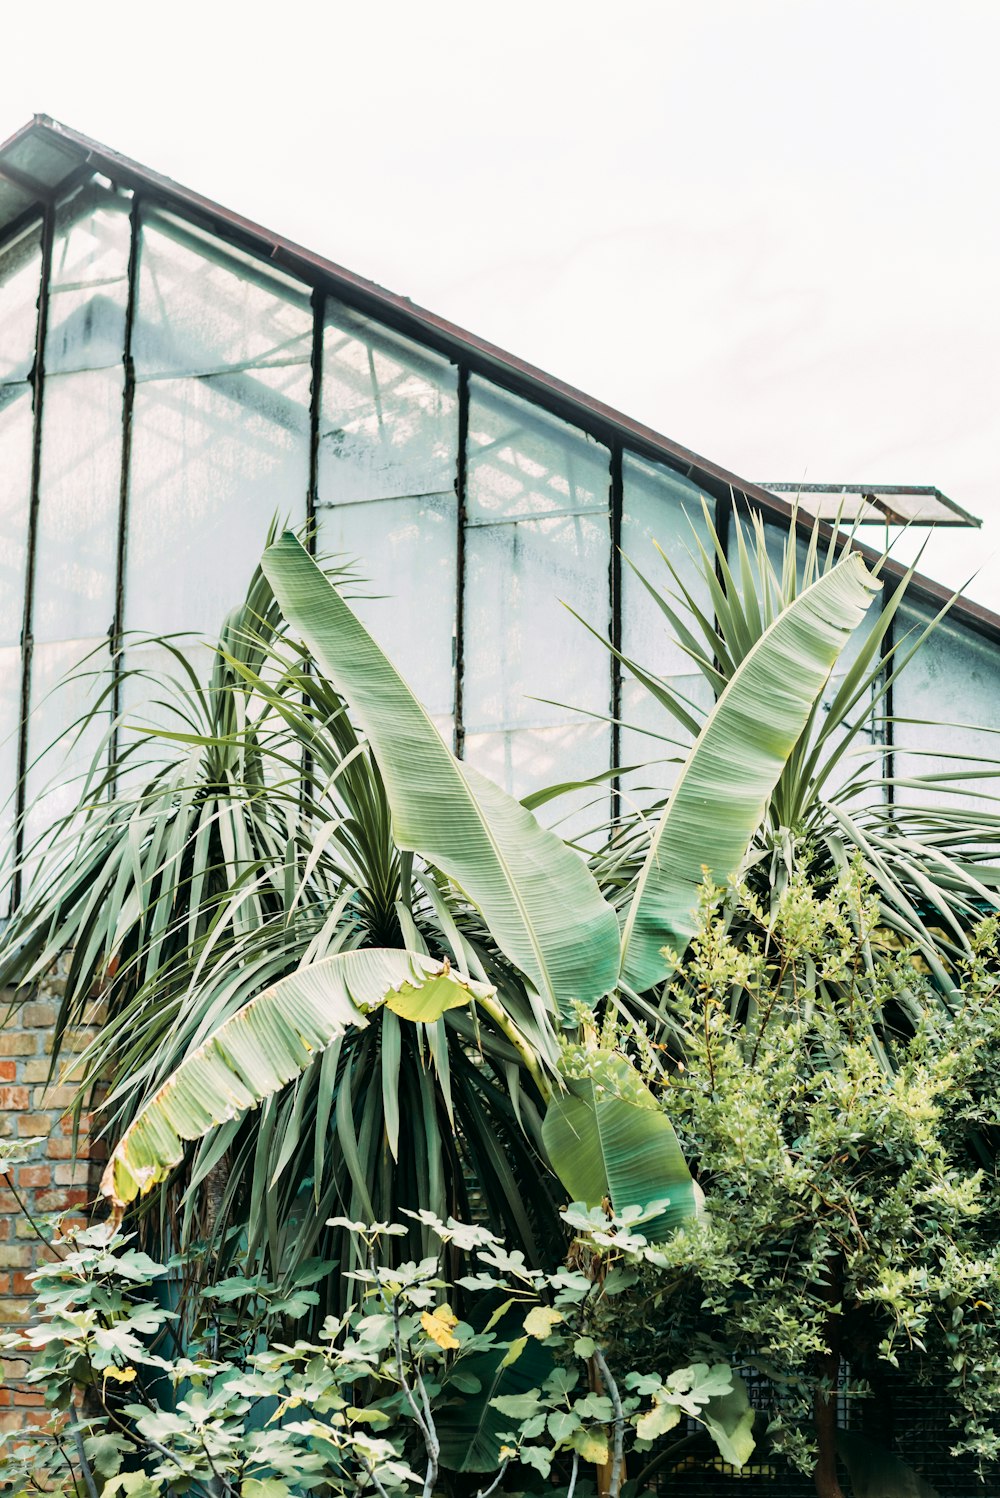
(172, 377)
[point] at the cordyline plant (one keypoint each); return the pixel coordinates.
(541, 905)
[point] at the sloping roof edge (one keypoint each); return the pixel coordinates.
(584, 410)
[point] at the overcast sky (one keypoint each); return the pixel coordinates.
(768, 228)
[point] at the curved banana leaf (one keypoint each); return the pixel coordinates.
(541, 903)
(721, 793)
(270, 1041)
(607, 1139)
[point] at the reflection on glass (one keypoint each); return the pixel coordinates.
(88, 289)
(204, 306)
(213, 462)
(404, 556)
(389, 414)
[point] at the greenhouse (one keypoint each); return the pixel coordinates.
(331, 988)
(173, 377)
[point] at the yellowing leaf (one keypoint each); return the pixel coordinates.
(120, 1375)
(540, 1320)
(439, 1324)
(514, 1351)
(592, 1446)
(657, 1421)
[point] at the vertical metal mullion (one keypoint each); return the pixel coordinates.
(723, 517)
(889, 733)
(117, 631)
(315, 400)
(615, 598)
(27, 638)
(461, 480)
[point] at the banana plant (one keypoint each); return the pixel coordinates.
(540, 903)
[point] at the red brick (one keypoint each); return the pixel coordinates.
(14, 1098)
(9, 1202)
(8, 1071)
(34, 1175)
(22, 1284)
(59, 1149)
(25, 1397)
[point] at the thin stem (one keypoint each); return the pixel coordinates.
(431, 1442)
(485, 1492)
(529, 1058)
(618, 1451)
(24, 1208)
(572, 1476)
(88, 1475)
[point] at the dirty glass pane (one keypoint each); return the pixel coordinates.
(403, 552)
(67, 680)
(660, 509)
(529, 759)
(88, 290)
(20, 281)
(389, 414)
(524, 462)
(204, 306)
(213, 461)
(520, 639)
(15, 466)
(10, 706)
(79, 483)
(954, 680)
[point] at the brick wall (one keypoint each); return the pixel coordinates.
(57, 1179)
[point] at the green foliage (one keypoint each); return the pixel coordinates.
(382, 1401)
(848, 1219)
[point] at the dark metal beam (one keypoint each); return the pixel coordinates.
(315, 406)
(616, 489)
(461, 483)
(128, 396)
(37, 381)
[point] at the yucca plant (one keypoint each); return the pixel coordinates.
(934, 868)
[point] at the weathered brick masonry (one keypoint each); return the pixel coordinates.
(58, 1179)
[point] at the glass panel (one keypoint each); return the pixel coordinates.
(13, 202)
(405, 551)
(67, 679)
(659, 509)
(37, 155)
(389, 414)
(954, 680)
(520, 640)
(10, 711)
(213, 461)
(204, 306)
(88, 291)
(654, 742)
(523, 462)
(79, 487)
(528, 759)
(16, 428)
(20, 280)
(155, 693)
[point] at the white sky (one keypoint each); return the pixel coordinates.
(769, 228)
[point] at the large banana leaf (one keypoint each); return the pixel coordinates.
(721, 792)
(542, 905)
(270, 1041)
(607, 1139)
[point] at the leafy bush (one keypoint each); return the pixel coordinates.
(529, 1375)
